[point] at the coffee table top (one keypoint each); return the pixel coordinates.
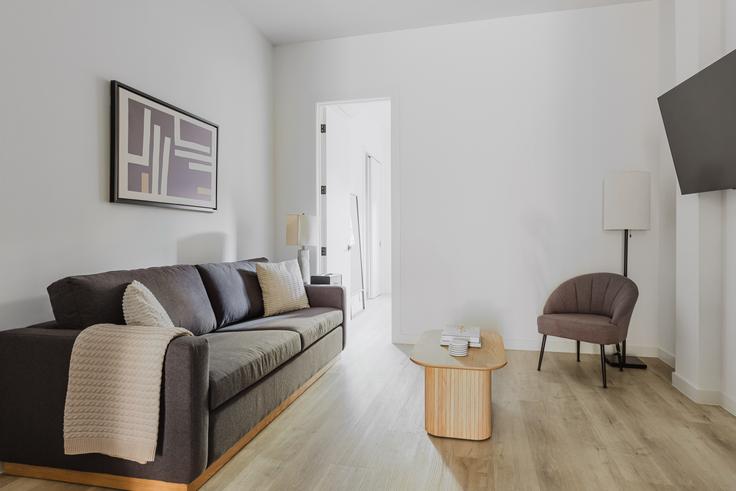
(490, 356)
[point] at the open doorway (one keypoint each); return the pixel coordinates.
(353, 165)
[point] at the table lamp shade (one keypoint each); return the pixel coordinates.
(301, 230)
(627, 201)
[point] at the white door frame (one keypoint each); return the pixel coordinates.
(321, 181)
(321, 164)
(398, 335)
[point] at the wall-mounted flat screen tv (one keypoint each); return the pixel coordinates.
(700, 120)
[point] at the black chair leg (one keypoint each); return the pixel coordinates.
(578, 349)
(603, 365)
(541, 352)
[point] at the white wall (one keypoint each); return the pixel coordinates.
(700, 32)
(57, 60)
(728, 339)
(667, 190)
(689, 27)
(370, 133)
(502, 133)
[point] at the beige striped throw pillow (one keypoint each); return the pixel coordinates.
(141, 308)
(283, 287)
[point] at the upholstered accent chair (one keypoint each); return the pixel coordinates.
(595, 308)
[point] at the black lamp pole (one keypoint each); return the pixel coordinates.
(629, 361)
(626, 252)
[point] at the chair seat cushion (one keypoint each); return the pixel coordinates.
(311, 324)
(590, 328)
(240, 359)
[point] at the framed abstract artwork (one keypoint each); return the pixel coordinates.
(161, 155)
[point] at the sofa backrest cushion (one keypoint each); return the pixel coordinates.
(82, 301)
(234, 291)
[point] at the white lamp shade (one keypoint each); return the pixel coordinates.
(627, 201)
(301, 230)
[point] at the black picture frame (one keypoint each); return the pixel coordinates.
(115, 172)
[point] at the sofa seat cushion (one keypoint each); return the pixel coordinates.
(240, 359)
(590, 328)
(311, 324)
(81, 301)
(233, 289)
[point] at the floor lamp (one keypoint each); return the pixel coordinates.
(301, 231)
(626, 207)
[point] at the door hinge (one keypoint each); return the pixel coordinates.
(323, 190)
(323, 128)
(324, 251)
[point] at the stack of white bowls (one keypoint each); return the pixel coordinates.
(458, 347)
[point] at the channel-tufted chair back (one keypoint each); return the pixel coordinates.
(608, 294)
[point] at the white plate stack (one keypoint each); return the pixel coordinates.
(458, 347)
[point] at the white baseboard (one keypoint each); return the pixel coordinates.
(695, 393)
(560, 345)
(666, 357)
(728, 403)
(703, 396)
(554, 345)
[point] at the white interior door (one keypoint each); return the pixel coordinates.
(374, 192)
(335, 215)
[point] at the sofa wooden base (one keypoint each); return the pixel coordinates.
(90, 478)
(137, 484)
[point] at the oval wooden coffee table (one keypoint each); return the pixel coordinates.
(457, 390)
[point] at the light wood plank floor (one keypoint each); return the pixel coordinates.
(361, 427)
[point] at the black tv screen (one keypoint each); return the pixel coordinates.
(700, 120)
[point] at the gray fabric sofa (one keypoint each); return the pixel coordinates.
(217, 385)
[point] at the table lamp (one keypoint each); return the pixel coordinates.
(301, 231)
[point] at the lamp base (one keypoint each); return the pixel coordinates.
(631, 361)
(303, 260)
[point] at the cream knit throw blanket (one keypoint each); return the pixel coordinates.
(113, 396)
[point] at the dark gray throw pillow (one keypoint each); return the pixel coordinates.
(82, 301)
(233, 289)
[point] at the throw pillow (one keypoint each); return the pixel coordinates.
(282, 286)
(141, 308)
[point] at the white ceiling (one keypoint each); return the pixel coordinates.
(293, 21)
